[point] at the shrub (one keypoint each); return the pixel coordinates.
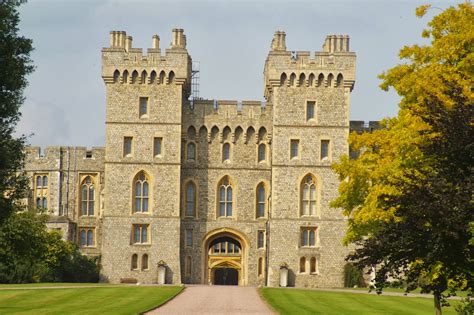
(353, 276)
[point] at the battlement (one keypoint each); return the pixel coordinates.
(122, 63)
(332, 67)
(54, 152)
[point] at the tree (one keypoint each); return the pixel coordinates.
(409, 199)
(15, 64)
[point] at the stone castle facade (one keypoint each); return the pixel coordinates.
(214, 191)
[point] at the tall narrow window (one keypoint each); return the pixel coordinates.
(261, 200)
(90, 238)
(87, 196)
(127, 146)
(260, 239)
(308, 237)
(191, 151)
(45, 181)
(308, 195)
(86, 237)
(39, 181)
(83, 241)
(294, 148)
(324, 149)
(262, 152)
(225, 198)
(141, 193)
(190, 199)
(157, 141)
(302, 264)
(226, 152)
(140, 233)
(143, 107)
(144, 262)
(134, 262)
(45, 203)
(189, 237)
(310, 110)
(260, 267)
(312, 265)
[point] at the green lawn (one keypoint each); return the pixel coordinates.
(106, 300)
(295, 301)
(55, 284)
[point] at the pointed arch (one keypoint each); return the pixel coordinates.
(214, 133)
(143, 77)
(311, 80)
(141, 192)
(302, 80)
(330, 80)
(134, 76)
(261, 200)
(262, 152)
(292, 79)
(283, 79)
(250, 134)
(226, 152)
(203, 134)
(225, 197)
(313, 265)
(226, 133)
(191, 133)
(171, 77)
(320, 79)
(238, 134)
(308, 195)
(145, 262)
(340, 80)
(116, 76)
(134, 262)
(162, 77)
(125, 77)
(262, 134)
(153, 77)
(190, 199)
(87, 196)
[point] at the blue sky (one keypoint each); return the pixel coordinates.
(65, 99)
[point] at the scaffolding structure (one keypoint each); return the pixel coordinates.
(195, 77)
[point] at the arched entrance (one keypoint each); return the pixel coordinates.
(225, 257)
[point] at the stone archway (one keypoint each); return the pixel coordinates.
(225, 253)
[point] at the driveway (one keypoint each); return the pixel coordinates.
(215, 300)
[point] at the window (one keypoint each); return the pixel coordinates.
(190, 199)
(225, 198)
(45, 181)
(140, 233)
(262, 150)
(308, 195)
(88, 154)
(141, 193)
(188, 266)
(87, 237)
(313, 265)
(145, 262)
(225, 248)
(87, 196)
(191, 151)
(261, 201)
(157, 141)
(260, 239)
(294, 148)
(41, 191)
(310, 110)
(143, 107)
(134, 262)
(189, 237)
(308, 237)
(302, 264)
(260, 266)
(226, 152)
(324, 149)
(127, 146)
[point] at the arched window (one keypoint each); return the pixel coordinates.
(39, 203)
(116, 76)
(283, 79)
(141, 193)
(330, 79)
(302, 264)
(125, 76)
(312, 265)
(190, 199)
(320, 79)
(225, 198)
(143, 78)
(134, 76)
(87, 196)
(83, 238)
(162, 77)
(153, 76)
(45, 181)
(301, 80)
(262, 150)
(292, 79)
(308, 195)
(260, 266)
(340, 80)
(144, 262)
(39, 181)
(191, 151)
(134, 262)
(171, 77)
(45, 203)
(90, 238)
(226, 152)
(311, 80)
(261, 200)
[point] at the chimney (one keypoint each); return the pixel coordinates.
(128, 43)
(155, 42)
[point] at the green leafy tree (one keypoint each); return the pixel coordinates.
(409, 194)
(15, 65)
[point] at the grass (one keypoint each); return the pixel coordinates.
(402, 290)
(106, 300)
(52, 284)
(297, 301)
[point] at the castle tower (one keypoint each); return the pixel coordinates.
(144, 95)
(310, 97)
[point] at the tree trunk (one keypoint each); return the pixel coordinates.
(437, 304)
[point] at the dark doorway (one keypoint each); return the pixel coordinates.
(226, 276)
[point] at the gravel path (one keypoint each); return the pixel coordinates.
(215, 300)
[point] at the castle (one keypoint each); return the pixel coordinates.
(213, 191)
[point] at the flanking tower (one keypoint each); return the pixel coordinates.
(310, 97)
(144, 96)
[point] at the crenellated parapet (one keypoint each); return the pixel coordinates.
(333, 67)
(124, 64)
